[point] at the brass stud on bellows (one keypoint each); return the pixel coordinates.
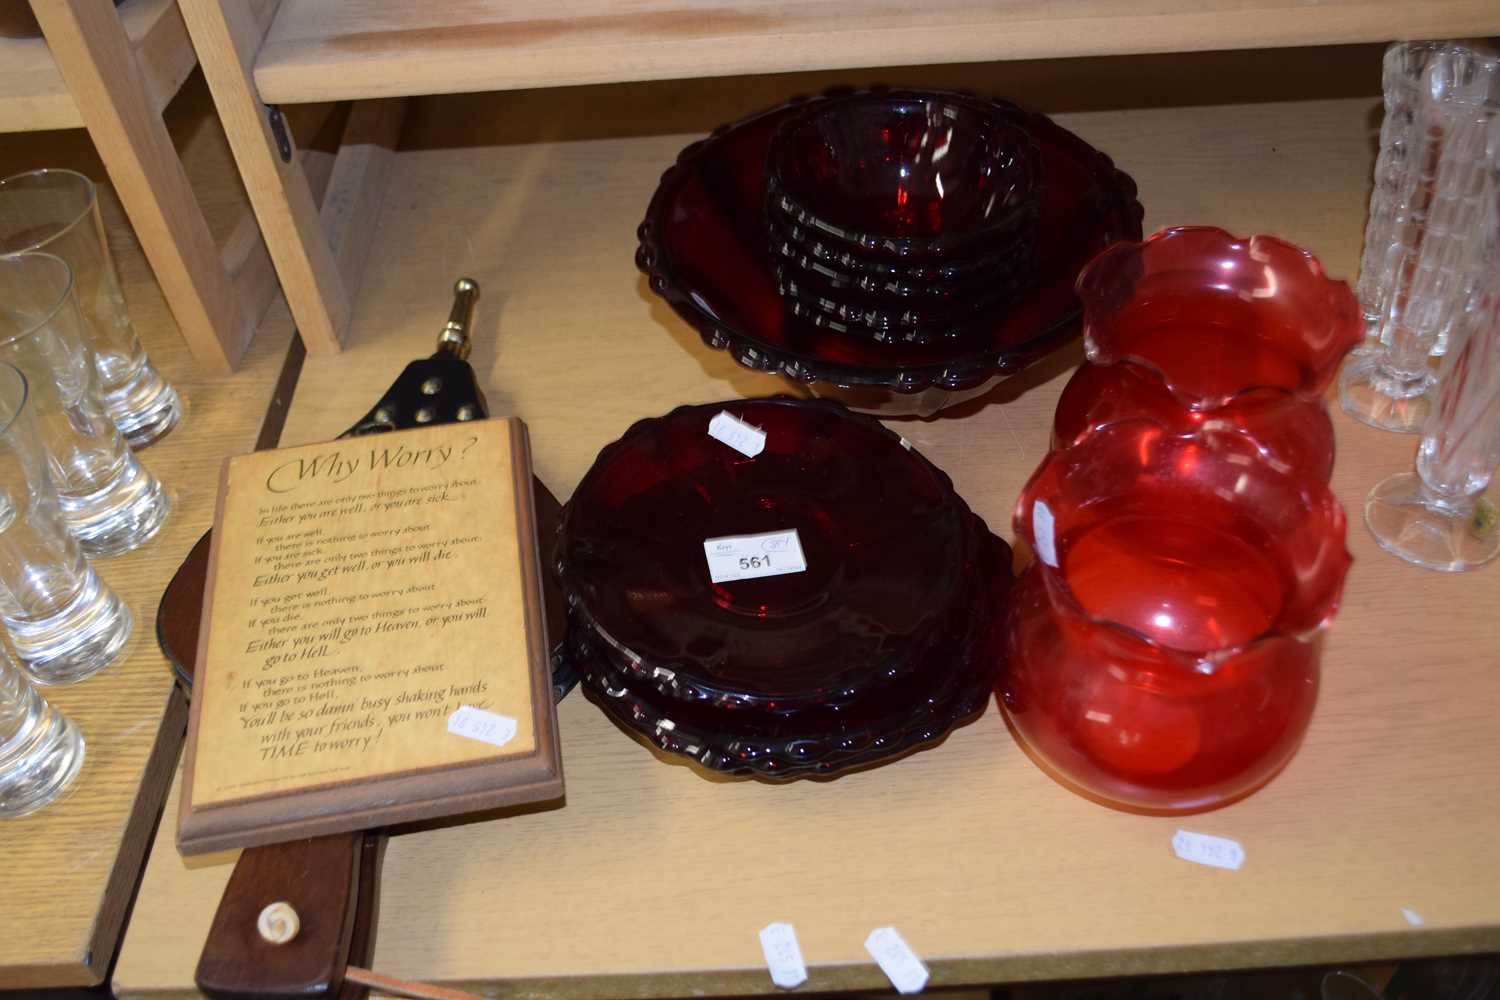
(278, 923)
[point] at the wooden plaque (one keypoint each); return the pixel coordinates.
(373, 648)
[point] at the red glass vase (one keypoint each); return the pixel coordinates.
(1291, 432)
(1163, 648)
(1195, 327)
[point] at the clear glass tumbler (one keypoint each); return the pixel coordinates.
(64, 623)
(41, 751)
(1423, 244)
(109, 502)
(57, 212)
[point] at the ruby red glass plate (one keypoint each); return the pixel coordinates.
(795, 746)
(885, 538)
(705, 246)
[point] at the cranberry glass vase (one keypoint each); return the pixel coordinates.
(1163, 648)
(1293, 433)
(1195, 327)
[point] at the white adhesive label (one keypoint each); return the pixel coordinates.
(1203, 849)
(744, 438)
(745, 557)
(1042, 531)
(486, 727)
(1412, 916)
(783, 955)
(896, 959)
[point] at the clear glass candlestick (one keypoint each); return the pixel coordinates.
(1423, 242)
(57, 212)
(108, 500)
(41, 751)
(64, 623)
(1435, 516)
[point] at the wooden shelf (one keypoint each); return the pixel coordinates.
(70, 869)
(652, 880)
(320, 50)
(33, 95)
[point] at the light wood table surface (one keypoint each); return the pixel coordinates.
(652, 879)
(70, 869)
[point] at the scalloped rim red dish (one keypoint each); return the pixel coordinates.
(992, 584)
(982, 547)
(961, 699)
(718, 182)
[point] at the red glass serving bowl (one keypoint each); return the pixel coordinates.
(904, 174)
(1163, 648)
(705, 249)
(1217, 315)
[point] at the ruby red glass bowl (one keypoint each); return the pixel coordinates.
(1163, 646)
(906, 174)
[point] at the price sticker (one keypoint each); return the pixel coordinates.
(1043, 530)
(896, 959)
(486, 727)
(746, 557)
(783, 955)
(1203, 849)
(747, 439)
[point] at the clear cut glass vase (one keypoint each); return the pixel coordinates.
(1424, 243)
(1436, 515)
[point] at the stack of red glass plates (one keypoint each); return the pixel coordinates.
(869, 634)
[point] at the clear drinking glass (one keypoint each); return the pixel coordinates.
(41, 751)
(108, 501)
(64, 623)
(1435, 516)
(57, 211)
(1422, 245)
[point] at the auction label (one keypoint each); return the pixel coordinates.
(745, 557)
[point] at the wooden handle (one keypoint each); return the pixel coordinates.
(316, 883)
